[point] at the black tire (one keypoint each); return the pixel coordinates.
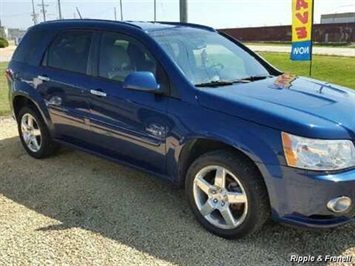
(47, 146)
(258, 210)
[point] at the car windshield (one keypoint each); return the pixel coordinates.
(208, 58)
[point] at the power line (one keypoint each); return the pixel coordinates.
(17, 15)
(99, 12)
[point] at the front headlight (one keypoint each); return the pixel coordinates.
(318, 154)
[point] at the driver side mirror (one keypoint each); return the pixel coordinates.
(142, 81)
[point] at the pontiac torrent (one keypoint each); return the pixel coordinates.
(195, 107)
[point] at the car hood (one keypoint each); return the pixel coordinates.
(302, 106)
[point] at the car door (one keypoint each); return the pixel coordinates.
(129, 125)
(64, 83)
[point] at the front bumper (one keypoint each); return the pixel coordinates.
(300, 197)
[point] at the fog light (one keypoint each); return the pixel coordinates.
(338, 205)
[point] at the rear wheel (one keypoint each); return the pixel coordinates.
(227, 194)
(34, 134)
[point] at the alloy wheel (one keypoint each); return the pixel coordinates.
(31, 133)
(220, 197)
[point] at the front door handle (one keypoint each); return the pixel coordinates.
(43, 78)
(99, 93)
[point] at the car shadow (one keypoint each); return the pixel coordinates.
(82, 191)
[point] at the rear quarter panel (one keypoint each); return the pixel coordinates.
(24, 84)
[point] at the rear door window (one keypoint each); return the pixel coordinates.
(70, 51)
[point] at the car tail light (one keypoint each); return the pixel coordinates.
(8, 74)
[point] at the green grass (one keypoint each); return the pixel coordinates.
(338, 70)
(4, 103)
(330, 45)
(334, 69)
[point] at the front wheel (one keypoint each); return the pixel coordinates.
(227, 194)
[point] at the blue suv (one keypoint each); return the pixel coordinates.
(195, 107)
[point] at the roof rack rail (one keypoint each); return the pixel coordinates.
(193, 25)
(92, 20)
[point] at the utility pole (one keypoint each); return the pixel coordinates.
(155, 10)
(60, 10)
(121, 10)
(43, 10)
(115, 13)
(34, 15)
(183, 10)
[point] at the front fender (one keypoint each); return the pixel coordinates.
(259, 143)
(252, 145)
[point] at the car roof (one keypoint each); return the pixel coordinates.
(147, 26)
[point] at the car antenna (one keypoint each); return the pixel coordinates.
(77, 9)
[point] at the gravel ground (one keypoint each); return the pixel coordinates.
(77, 209)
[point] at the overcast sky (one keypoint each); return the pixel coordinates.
(217, 13)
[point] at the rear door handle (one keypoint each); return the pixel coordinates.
(43, 78)
(98, 93)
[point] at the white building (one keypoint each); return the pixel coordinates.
(15, 33)
(3, 32)
(344, 14)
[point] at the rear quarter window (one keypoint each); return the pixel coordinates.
(29, 47)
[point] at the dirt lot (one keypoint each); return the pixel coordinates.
(77, 209)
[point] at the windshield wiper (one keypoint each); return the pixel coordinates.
(257, 77)
(221, 83)
(215, 83)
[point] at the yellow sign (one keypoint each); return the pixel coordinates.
(302, 21)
